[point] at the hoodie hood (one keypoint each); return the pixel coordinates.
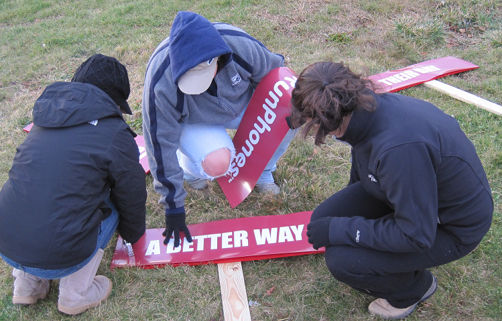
(193, 39)
(66, 104)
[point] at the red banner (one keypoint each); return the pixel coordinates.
(262, 129)
(140, 141)
(241, 239)
(391, 81)
(28, 127)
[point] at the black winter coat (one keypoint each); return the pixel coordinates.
(411, 155)
(79, 152)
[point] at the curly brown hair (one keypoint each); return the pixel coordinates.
(324, 94)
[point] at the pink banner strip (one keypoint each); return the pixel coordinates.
(395, 80)
(234, 240)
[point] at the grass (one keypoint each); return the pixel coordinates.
(44, 41)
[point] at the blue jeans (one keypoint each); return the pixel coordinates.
(199, 140)
(106, 230)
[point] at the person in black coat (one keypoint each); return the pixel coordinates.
(73, 181)
(418, 196)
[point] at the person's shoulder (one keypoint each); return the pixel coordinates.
(235, 36)
(159, 61)
(121, 136)
(220, 26)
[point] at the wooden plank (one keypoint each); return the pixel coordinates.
(233, 292)
(464, 96)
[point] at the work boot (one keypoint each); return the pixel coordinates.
(82, 289)
(383, 309)
(197, 183)
(28, 289)
(268, 188)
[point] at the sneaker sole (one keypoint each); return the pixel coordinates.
(427, 295)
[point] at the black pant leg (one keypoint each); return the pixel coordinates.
(401, 278)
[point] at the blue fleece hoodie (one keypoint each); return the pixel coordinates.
(193, 39)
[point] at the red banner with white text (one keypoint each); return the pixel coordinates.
(394, 80)
(233, 240)
(260, 132)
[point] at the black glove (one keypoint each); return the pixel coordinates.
(176, 223)
(318, 232)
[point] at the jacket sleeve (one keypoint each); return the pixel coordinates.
(259, 58)
(262, 60)
(407, 175)
(128, 187)
(161, 131)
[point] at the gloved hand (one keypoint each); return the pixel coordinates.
(175, 223)
(318, 232)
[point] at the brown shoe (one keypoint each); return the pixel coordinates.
(28, 289)
(83, 290)
(383, 309)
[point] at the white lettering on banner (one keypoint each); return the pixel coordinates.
(142, 152)
(225, 240)
(240, 238)
(153, 248)
(408, 74)
(285, 234)
(214, 240)
(264, 125)
(171, 249)
(266, 236)
(281, 235)
(187, 247)
(297, 231)
(261, 125)
(229, 240)
(200, 241)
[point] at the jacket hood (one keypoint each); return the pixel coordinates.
(193, 39)
(66, 104)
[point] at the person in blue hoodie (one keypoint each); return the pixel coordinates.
(74, 180)
(418, 196)
(198, 83)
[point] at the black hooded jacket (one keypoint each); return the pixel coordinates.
(411, 155)
(79, 152)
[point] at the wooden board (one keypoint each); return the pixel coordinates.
(233, 292)
(464, 96)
